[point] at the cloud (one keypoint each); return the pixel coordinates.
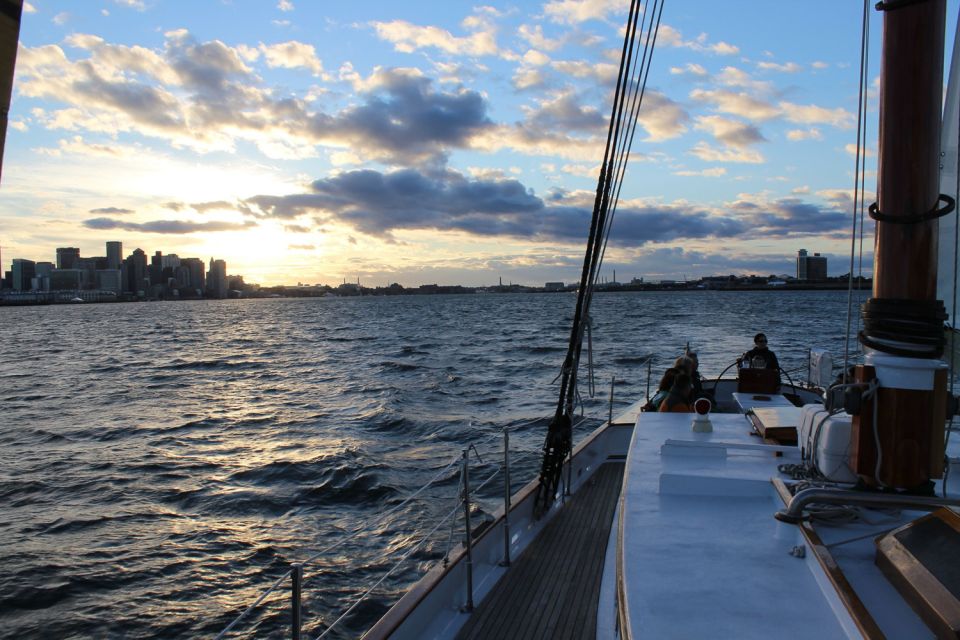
(787, 67)
(671, 37)
(218, 205)
(661, 117)
(564, 111)
(738, 104)
(407, 38)
(690, 69)
(713, 172)
(29, 8)
(534, 36)
(576, 11)
(812, 114)
(601, 72)
(804, 134)
(730, 132)
(285, 5)
(292, 55)
(381, 204)
(708, 153)
(133, 4)
(851, 148)
(296, 228)
(178, 227)
(301, 247)
(111, 211)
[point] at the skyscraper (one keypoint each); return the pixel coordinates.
(136, 267)
(23, 272)
(198, 281)
(217, 279)
(67, 257)
(811, 267)
(114, 254)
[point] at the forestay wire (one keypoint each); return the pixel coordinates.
(635, 59)
(858, 184)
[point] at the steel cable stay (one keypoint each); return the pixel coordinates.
(558, 441)
(857, 180)
(635, 113)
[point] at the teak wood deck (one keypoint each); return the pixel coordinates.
(552, 591)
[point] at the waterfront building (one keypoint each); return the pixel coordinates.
(198, 281)
(23, 272)
(170, 261)
(138, 279)
(67, 257)
(114, 254)
(66, 279)
(156, 269)
(110, 280)
(812, 268)
(217, 279)
(44, 268)
(553, 286)
(89, 267)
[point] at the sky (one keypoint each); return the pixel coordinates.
(442, 142)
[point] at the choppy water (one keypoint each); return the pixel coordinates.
(161, 464)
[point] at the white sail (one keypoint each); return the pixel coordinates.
(947, 249)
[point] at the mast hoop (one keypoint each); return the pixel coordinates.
(937, 212)
(893, 5)
(916, 327)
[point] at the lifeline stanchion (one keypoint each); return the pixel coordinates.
(506, 497)
(296, 590)
(466, 518)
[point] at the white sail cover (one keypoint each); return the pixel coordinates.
(947, 249)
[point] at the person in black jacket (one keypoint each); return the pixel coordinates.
(760, 357)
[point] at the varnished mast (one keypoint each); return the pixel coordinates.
(10, 13)
(903, 322)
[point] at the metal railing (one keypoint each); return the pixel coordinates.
(464, 501)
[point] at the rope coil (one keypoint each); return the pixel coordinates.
(909, 328)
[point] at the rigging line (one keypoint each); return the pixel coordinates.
(574, 331)
(634, 99)
(635, 83)
(856, 179)
(600, 213)
(633, 130)
(953, 313)
(863, 190)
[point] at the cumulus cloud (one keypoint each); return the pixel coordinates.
(671, 37)
(661, 117)
(292, 55)
(712, 172)
(786, 67)
(564, 111)
(736, 103)
(577, 11)
(690, 69)
(534, 36)
(175, 227)
(730, 132)
(205, 97)
(218, 205)
(708, 153)
(601, 72)
(407, 38)
(804, 134)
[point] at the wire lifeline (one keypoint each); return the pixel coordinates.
(403, 558)
(333, 546)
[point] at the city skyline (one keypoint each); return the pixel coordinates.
(433, 143)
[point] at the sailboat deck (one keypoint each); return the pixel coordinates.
(552, 590)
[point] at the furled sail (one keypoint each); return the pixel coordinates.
(947, 248)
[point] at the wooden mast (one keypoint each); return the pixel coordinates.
(909, 421)
(10, 13)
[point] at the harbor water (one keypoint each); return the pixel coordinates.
(164, 463)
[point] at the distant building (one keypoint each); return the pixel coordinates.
(138, 280)
(217, 279)
(812, 268)
(114, 254)
(110, 280)
(67, 257)
(156, 269)
(44, 268)
(198, 280)
(553, 286)
(23, 272)
(66, 279)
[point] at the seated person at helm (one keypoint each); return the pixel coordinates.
(760, 357)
